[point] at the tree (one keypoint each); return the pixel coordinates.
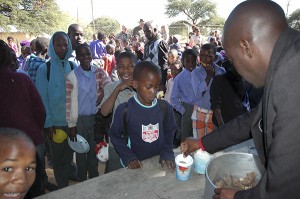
(32, 16)
(197, 11)
(106, 25)
(214, 23)
(294, 19)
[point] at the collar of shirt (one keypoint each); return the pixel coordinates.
(138, 101)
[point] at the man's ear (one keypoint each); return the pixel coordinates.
(246, 48)
(134, 84)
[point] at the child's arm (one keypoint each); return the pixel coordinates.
(108, 105)
(72, 103)
(102, 79)
(169, 128)
(175, 98)
(116, 138)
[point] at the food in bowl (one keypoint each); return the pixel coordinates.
(241, 183)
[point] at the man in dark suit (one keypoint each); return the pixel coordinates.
(266, 53)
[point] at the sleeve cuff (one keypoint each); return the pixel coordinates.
(200, 144)
(71, 124)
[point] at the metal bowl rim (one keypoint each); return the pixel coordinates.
(225, 154)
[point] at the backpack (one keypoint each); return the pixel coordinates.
(162, 105)
(48, 64)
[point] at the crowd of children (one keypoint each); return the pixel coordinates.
(106, 91)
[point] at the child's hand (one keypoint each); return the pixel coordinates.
(168, 164)
(50, 131)
(135, 164)
(72, 134)
(128, 83)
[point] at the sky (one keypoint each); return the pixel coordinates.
(129, 12)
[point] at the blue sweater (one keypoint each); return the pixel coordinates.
(53, 92)
(148, 134)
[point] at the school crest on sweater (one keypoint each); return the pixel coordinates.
(150, 133)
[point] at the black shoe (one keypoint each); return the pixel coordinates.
(51, 187)
(74, 178)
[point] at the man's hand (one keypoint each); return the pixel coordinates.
(50, 131)
(224, 193)
(189, 145)
(73, 133)
(168, 164)
(135, 164)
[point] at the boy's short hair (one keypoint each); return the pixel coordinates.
(145, 67)
(126, 54)
(41, 44)
(109, 46)
(81, 46)
(72, 28)
(33, 42)
(209, 46)
(101, 35)
(13, 134)
(188, 52)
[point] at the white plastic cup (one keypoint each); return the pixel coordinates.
(201, 158)
(183, 167)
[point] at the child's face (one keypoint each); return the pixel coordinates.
(147, 87)
(175, 69)
(85, 57)
(60, 43)
(10, 41)
(125, 68)
(172, 58)
(111, 51)
(76, 37)
(207, 56)
(189, 62)
(17, 168)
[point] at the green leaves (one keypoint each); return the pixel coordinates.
(197, 11)
(107, 25)
(32, 16)
(294, 19)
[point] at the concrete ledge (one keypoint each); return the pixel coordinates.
(150, 182)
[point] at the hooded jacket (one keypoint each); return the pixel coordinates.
(53, 92)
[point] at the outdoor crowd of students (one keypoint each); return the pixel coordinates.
(107, 90)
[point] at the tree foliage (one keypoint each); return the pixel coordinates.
(197, 11)
(106, 25)
(294, 19)
(32, 16)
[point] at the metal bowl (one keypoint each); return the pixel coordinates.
(234, 164)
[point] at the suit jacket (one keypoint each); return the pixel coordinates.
(274, 125)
